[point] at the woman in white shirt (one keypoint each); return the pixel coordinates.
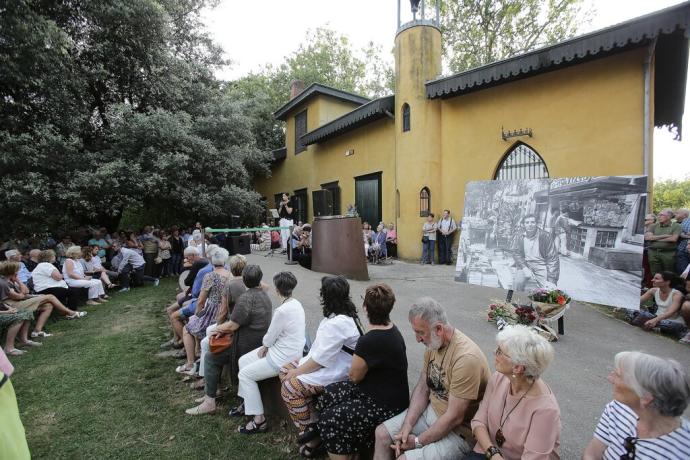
(328, 361)
(282, 344)
(74, 275)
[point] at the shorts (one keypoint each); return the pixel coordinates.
(451, 446)
(188, 311)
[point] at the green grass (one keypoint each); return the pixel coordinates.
(97, 389)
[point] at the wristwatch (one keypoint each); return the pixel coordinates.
(491, 451)
(417, 443)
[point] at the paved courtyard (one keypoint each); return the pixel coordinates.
(584, 355)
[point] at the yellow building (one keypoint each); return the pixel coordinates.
(583, 107)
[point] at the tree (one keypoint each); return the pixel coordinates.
(478, 32)
(671, 194)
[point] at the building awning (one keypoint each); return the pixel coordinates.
(596, 187)
(372, 111)
(670, 27)
(279, 154)
(316, 89)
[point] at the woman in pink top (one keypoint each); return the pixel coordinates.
(519, 417)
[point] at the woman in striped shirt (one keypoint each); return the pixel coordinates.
(644, 420)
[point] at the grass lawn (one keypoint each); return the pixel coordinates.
(97, 389)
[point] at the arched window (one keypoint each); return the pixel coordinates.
(406, 117)
(521, 162)
(424, 202)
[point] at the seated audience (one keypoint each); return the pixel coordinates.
(74, 275)
(14, 322)
(377, 390)
(15, 294)
(248, 323)
(282, 344)
(668, 301)
(14, 255)
(92, 265)
(451, 386)
(366, 235)
(685, 312)
(378, 244)
(392, 241)
(47, 278)
(33, 261)
(328, 361)
(131, 265)
(519, 416)
(644, 420)
(207, 305)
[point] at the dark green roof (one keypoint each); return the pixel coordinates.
(316, 89)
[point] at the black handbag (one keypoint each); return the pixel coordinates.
(425, 239)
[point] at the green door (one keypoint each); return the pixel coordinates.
(368, 198)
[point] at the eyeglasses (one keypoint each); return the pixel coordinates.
(499, 352)
(629, 445)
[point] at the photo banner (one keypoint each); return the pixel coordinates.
(584, 235)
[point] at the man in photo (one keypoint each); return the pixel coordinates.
(536, 258)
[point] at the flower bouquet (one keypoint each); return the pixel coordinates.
(550, 304)
(500, 310)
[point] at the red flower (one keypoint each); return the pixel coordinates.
(561, 300)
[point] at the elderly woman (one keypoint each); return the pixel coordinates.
(644, 419)
(14, 322)
(519, 416)
(248, 323)
(282, 344)
(207, 306)
(74, 275)
(668, 301)
(377, 390)
(92, 264)
(392, 241)
(48, 281)
(15, 295)
(328, 361)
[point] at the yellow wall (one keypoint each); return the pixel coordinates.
(587, 120)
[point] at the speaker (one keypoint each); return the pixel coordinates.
(323, 202)
(238, 244)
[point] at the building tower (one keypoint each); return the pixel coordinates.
(417, 123)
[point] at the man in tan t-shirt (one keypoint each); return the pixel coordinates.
(437, 423)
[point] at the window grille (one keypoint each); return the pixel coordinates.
(424, 202)
(522, 163)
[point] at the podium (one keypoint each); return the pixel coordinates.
(338, 247)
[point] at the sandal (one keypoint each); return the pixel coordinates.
(237, 411)
(35, 334)
(252, 427)
(14, 352)
(311, 432)
(201, 409)
(183, 369)
(76, 314)
(307, 451)
(198, 385)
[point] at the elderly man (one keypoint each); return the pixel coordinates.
(536, 257)
(454, 375)
(15, 255)
(682, 256)
(446, 228)
(663, 239)
(131, 264)
(33, 261)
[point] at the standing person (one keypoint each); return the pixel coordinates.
(429, 239)
(451, 385)
(649, 219)
(285, 212)
(682, 256)
(377, 389)
(149, 240)
(561, 227)
(177, 246)
(663, 240)
(536, 258)
(519, 416)
(164, 254)
(644, 420)
(99, 240)
(446, 230)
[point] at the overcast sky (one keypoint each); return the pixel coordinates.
(265, 31)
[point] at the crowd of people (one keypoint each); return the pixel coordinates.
(347, 391)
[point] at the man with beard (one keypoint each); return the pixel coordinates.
(455, 373)
(536, 257)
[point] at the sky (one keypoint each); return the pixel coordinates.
(261, 32)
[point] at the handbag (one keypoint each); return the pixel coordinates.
(425, 239)
(218, 344)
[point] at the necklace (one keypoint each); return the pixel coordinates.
(500, 438)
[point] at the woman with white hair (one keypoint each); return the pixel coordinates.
(207, 306)
(74, 275)
(519, 416)
(644, 419)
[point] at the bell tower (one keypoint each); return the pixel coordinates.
(417, 120)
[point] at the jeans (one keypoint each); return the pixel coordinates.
(445, 249)
(428, 250)
(176, 264)
(666, 326)
(213, 366)
(682, 260)
(137, 273)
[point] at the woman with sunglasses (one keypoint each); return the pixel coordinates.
(644, 419)
(519, 417)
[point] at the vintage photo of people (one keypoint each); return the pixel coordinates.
(583, 235)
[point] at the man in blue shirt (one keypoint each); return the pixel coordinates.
(131, 265)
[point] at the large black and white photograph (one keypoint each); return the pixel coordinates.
(583, 235)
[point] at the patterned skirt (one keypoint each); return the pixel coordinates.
(8, 319)
(348, 418)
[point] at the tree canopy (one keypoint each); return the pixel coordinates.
(672, 194)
